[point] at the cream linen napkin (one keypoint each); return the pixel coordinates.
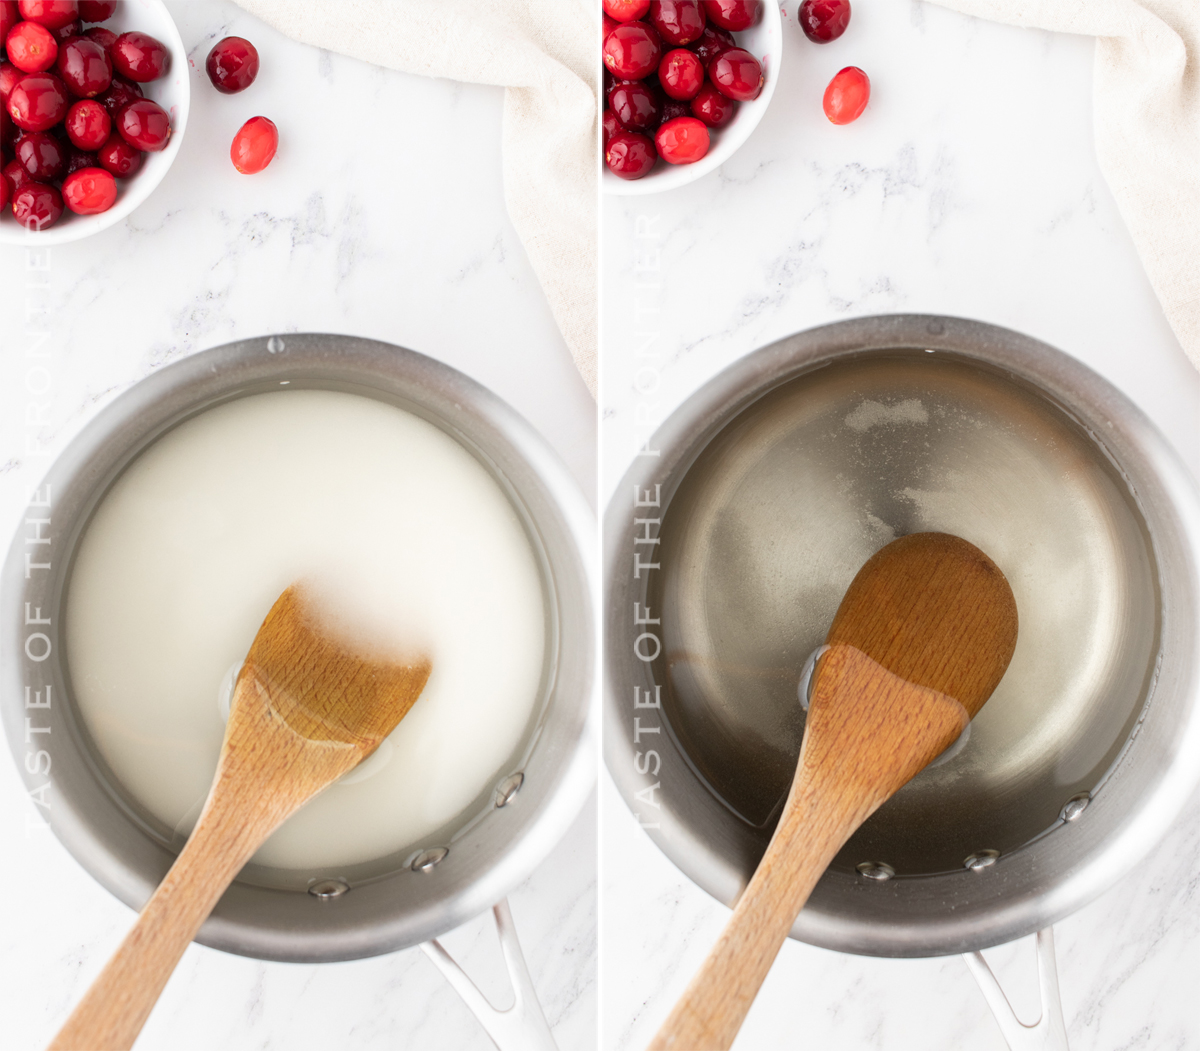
(543, 52)
(1147, 124)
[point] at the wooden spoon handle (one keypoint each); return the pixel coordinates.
(712, 1009)
(115, 1008)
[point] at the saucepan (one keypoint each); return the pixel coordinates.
(731, 540)
(314, 916)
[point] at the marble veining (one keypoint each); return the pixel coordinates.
(969, 187)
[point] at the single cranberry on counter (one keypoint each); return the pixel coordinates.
(31, 47)
(682, 141)
(90, 191)
(632, 51)
(712, 42)
(42, 155)
(847, 95)
(734, 15)
(9, 75)
(37, 206)
(144, 125)
(65, 33)
(232, 65)
(626, 10)
(673, 108)
(38, 101)
(823, 20)
(53, 14)
(678, 22)
(9, 16)
(736, 74)
(88, 125)
(85, 67)
(139, 57)
(254, 145)
(610, 125)
(681, 74)
(118, 157)
(636, 106)
(630, 155)
(104, 37)
(120, 93)
(97, 10)
(77, 159)
(713, 108)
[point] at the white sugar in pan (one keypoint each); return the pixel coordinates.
(406, 541)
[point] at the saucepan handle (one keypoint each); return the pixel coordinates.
(1048, 1033)
(523, 1026)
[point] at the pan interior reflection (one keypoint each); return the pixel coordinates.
(781, 509)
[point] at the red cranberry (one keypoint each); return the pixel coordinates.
(626, 10)
(736, 74)
(678, 22)
(9, 75)
(713, 108)
(712, 42)
(38, 101)
(607, 25)
(632, 51)
(145, 125)
(37, 206)
(31, 47)
(254, 145)
(84, 67)
(734, 15)
(97, 10)
(610, 125)
(636, 107)
(104, 37)
(681, 74)
(118, 157)
(65, 33)
(824, 20)
(5, 191)
(9, 17)
(53, 14)
(139, 57)
(88, 124)
(630, 155)
(90, 191)
(847, 95)
(682, 141)
(42, 155)
(232, 65)
(17, 177)
(120, 93)
(673, 108)
(77, 159)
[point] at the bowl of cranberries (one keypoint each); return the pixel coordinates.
(95, 100)
(685, 83)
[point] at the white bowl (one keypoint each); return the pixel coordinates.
(172, 92)
(764, 40)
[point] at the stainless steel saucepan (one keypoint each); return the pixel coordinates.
(731, 540)
(356, 911)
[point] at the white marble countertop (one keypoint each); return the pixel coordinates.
(383, 216)
(969, 187)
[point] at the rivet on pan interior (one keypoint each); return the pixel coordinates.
(508, 788)
(982, 860)
(1075, 806)
(275, 345)
(328, 889)
(877, 870)
(427, 859)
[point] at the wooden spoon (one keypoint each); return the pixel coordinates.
(304, 712)
(920, 641)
